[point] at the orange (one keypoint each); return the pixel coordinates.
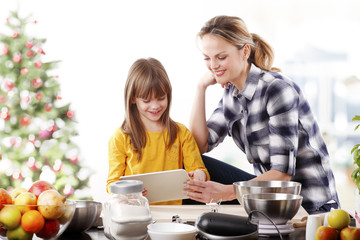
(32, 221)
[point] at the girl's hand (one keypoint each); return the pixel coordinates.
(144, 192)
(209, 191)
(198, 175)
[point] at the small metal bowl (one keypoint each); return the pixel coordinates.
(86, 214)
(279, 207)
(248, 187)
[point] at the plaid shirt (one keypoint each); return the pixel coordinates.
(271, 122)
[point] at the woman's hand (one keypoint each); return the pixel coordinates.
(209, 191)
(198, 175)
(207, 80)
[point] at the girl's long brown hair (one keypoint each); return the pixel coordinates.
(146, 77)
(234, 31)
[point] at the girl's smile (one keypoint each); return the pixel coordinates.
(151, 110)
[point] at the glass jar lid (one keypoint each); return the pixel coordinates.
(126, 186)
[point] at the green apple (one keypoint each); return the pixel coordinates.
(26, 201)
(10, 217)
(16, 192)
(338, 219)
(18, 234)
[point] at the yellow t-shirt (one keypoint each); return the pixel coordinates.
(123, 161)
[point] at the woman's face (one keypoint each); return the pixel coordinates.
(227, 63)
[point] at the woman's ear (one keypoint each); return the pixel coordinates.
(246, 51)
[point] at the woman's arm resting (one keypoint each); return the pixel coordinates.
(273, 175)
(197, 123)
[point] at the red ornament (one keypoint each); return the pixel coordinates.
(32, 164)
(24, 71)
(40, 51)
(48, 107)
(74, 158)
(16, 175)
(15, 34)
(36, 82)
(57, 166)
(68, 190)
(5, 50)
(8, 85)
(17, 58)
(70, 114)
(38, 96)
(29, 44)
(32, 138)
(13, 141)
(52, 128)
(30, 53)
(4, 114)
(44, 134)
(38, 64)
(25, 121)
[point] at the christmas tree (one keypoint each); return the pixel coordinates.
(36, 126)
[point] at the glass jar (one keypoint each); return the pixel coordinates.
(127, 212)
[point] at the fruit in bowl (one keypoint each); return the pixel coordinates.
(24, 218)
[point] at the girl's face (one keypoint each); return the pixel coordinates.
(151, 110)
(227, 63)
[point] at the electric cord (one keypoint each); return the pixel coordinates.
(257, 211)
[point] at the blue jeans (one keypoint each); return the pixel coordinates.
(224, 173)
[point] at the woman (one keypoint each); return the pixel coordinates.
(266, 115)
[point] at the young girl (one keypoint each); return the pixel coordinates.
(149, 140)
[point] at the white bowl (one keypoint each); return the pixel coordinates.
(171, 230)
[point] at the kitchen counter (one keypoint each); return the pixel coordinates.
(164, 213)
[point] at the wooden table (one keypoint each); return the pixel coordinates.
(164, 213)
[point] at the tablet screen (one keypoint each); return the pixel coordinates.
(162, 186)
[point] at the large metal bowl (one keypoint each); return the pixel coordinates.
(279, 207)
(86, 214)
(247, 187)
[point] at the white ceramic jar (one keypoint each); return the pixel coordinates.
(127, 212)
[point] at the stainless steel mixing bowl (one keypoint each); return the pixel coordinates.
(279, 207)
(247, 187)
(86, 214)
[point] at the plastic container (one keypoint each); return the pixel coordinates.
(127, 212)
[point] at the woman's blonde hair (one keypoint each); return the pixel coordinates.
(234, 31)
(146, 77)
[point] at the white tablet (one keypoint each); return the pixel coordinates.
(162, 186)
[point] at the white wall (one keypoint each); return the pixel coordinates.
(98, 40)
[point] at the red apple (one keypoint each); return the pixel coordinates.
(350, 233)
(5, 198)
(40, 186)
(326, 233)
(2, 231)
(50, 229)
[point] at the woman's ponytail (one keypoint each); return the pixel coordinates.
(262, 54)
